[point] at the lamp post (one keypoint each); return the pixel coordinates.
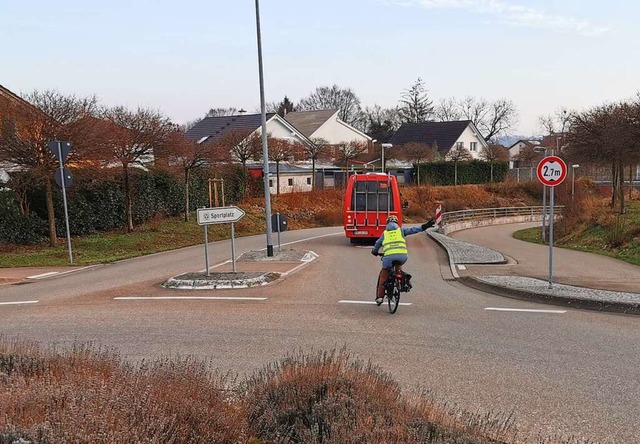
(385, 145)
(265, 149)
(573, 179)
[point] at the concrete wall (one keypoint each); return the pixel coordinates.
(463, 225)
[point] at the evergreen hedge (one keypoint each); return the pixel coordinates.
(469, 172)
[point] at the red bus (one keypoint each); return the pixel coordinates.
(369, 199)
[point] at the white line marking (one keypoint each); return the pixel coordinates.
(525, 310)
(368, 302)
(177, 298)
(18, 302)
(43, 275)
(461, 267)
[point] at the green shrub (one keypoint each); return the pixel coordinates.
(18, 228)
(472, 172)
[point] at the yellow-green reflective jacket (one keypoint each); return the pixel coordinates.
(394, 243)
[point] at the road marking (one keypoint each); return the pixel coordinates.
(368, 302)
(43, 275)
(461, 267)
(18, 302)
(165, 298)
(525, 310)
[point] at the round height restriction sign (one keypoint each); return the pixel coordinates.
(552, 171)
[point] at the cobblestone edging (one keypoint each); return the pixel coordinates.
(467, 253)
(200, 281)
(536, 290)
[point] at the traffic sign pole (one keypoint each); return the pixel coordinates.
(206, 248)
(551, 172)
(233, 248)
(551, 221)
(64, 201)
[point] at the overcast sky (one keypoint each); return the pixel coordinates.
(185, 58)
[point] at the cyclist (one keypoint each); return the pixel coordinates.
(395, 248)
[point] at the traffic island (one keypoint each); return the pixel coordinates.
(248, 271)
(220, 280)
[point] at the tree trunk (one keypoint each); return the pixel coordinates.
(128, 204)
(53, 237)
(491, 172)
(631, 168)
(186, 194)
(455, 173)
(621, 187)
(277, 178)
(614, 185)
(313, 174)
(243, 182)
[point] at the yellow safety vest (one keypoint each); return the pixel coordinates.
(394, 243)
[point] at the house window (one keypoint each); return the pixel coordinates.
(459, 145)
(473, 146)
(270, 183)
(290, 181)
(308, 181)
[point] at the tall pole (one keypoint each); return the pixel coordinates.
(551, 216)
(265, 150)
(64, 200)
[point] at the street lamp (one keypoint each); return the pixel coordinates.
(385, 145)
(265, 149)
(573, 179)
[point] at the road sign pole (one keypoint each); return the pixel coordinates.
(233, 248)
(206, 248)
(551, 203)
(544, 213)
(278, 225)
(64, 201)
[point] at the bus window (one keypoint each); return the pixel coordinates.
(372, 196)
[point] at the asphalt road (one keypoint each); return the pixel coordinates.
(566, 374)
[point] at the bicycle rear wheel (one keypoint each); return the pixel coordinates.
(394, 297)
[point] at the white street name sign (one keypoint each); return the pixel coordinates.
(220, 215)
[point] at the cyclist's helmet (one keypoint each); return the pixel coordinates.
(393, 219)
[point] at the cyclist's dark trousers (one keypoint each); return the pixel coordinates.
(387, 263)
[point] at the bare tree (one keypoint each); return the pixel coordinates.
(280, 150)
(456, 155)
(314, 151)
(130, 138)
(334, 97)
(186, 155)
(417, 153)
(448, 110)
(415, 105)
(27, 126)
(491, 118)
(351, 150)
(557, 123)
(243, 145)
(607, 135)
(494, 153)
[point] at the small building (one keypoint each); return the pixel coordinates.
(292, 178)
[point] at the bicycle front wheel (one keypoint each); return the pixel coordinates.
(394, 298)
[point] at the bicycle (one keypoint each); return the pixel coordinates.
(397, 282)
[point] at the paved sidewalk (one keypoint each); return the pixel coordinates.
(580, 280)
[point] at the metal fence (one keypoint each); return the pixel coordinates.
(493, 213)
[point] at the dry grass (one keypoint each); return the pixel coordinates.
(89, 395)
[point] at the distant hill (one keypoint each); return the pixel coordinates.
(510, 140)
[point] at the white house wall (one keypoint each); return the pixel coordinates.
(335, 132)
(470, 135)
(280, 131)
(299, 183)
